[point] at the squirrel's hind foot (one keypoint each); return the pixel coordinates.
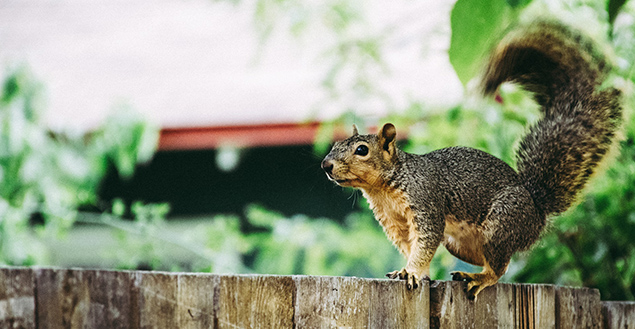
(461, 276)
(476, 282)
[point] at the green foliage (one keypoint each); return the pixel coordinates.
(125, 140)
(301, 245)
(489, 127)
(476, 26)
(48, 175)
(274, 244)
(613, 9)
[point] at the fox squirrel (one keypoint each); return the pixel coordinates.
(481, 209)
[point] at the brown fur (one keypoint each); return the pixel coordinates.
(480, 208)
(392, 209)
(464, 240)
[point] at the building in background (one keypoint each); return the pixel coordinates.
(238, 114)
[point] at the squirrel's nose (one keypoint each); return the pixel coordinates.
(327, 165)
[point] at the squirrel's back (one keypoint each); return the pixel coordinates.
(468, 179)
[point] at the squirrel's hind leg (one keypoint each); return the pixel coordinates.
(513, 223)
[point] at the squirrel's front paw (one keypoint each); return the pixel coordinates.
(412, 280)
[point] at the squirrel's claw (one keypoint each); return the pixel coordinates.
(401, 274)
(412, 280)
(460, 276)
(476, 282)
(472, 289)
(393, 274)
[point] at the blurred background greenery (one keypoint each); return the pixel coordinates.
(52, 194)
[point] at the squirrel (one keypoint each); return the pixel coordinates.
(480, 208)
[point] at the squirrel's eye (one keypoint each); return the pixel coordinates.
(361, 150)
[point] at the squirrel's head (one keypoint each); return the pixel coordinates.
(362, 161)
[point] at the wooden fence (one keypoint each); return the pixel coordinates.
(76, 298)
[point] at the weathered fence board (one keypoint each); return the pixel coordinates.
(578, 308)
(156, 297)
(392, 305)
(17, 299)
(250, 301)
(110, 298)
(618, 315)
(499, 306)
(330, 302)
(196, 294)
(75, 298)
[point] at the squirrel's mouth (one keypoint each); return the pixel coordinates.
(342, 182)
(335, 180)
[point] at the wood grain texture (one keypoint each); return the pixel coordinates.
(540, 300)
(156, 298)
(63, 298)
(618, 315)
(578, 308)
(499, 306)
(330, 302)
(495, 307)
(394, 306)
(76, 298)
(255, 302)
(110, 298)
(83, 299)
(17, 298)
(195, 306)
(449, 307)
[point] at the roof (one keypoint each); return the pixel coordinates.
(193, 138)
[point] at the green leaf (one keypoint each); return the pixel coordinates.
(613, 9)
(118, 208)
(518, 3)
(476, 26)
(10, 88)
(323, 138)
(259, 216)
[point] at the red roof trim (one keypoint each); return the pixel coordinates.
(238, 136)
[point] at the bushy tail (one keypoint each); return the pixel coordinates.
(565, 72)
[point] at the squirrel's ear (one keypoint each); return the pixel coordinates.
(355, 132)
(387, 135)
